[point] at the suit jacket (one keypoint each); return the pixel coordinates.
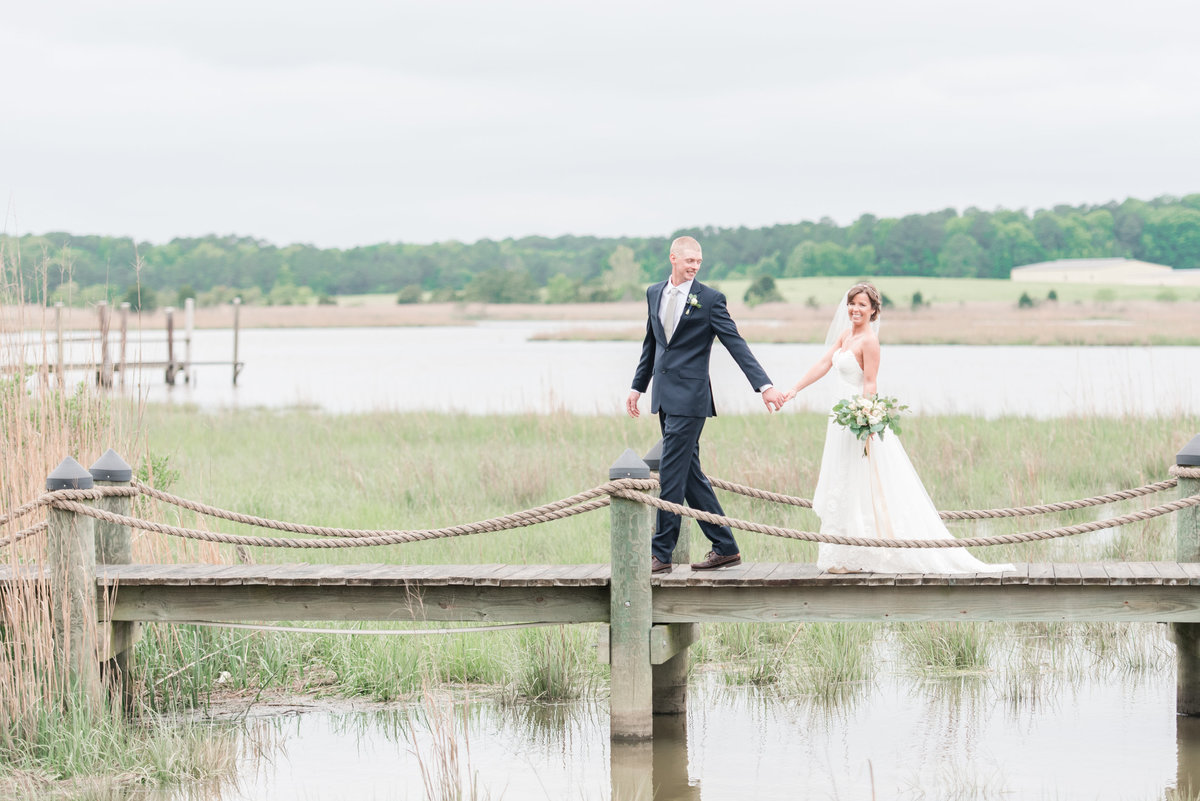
(680, 367)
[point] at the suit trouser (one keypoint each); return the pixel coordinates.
(682, 480)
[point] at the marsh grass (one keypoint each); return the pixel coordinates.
(52, 739)
(444, 758)
(423, 470)
(947, 648)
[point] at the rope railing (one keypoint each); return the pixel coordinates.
(527, 517)
(581, 503)
(358, 538)
(880, 542)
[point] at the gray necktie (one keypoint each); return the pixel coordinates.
(672, 304)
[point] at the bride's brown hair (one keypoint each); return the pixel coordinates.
(872, 296)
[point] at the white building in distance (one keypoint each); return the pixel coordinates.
(1105, 271)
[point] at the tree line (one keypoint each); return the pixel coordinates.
(975, 243)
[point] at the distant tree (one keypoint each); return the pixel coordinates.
(561, 289)
(1025, 302)
(409, 294)
(624, 275)
(1172, 237)
(501, 286)
(961, 257)
(141, 299)
(1052, 295)
(762, 290)
(918, 300)
(183, 294)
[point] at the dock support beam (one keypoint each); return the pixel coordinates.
(71, 555)
(630, 611)
(1187, 549)
(114, 546)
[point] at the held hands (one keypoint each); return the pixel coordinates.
(773, 399)
(790, 394)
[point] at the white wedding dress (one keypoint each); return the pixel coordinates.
(879, 495)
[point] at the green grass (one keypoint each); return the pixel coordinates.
(429, 470)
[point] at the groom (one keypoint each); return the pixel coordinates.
(684, 316)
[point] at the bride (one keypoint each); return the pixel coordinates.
(879, 494)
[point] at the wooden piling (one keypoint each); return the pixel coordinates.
(104, 377)
(71, 559)
(630, 612)
(237, 310)
(1187, 549)
(114, 546)
(124, 339)
(58, 351)
(170, 375)
(189, 325)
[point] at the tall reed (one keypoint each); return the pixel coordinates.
(48, 733)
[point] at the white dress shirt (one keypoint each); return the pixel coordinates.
(684, 290)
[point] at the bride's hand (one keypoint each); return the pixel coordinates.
(787, 396)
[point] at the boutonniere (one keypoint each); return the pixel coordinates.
(693, 302)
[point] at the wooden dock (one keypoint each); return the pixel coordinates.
(651, 619)
(755, 592)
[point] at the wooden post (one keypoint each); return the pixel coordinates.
(237, 309)
(124, 339)
(114, 546)
(58, 355)
(1187, 549)
(630, 613)
(670, 684)
(104, 378)
(189, 326)
(170, 346)
(71, 558)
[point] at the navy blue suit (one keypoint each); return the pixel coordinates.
(682, 399)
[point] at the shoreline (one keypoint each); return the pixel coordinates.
(1125, 323)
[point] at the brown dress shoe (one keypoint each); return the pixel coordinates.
(713, 559)
(659, 567)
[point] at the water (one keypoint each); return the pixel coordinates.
(1109, 737)
(494, 367)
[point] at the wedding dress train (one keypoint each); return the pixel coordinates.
(879, 495)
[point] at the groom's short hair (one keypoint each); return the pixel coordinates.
(683, 243)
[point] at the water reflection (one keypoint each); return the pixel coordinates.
(1113, 735)
(655, 771)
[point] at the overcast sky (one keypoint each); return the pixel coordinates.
(350, 123)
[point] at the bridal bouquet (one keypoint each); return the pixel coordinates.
(867, 416)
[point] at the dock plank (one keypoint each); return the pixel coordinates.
(1092, 573)
(1067, 573)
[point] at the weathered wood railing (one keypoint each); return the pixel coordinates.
(651, 619)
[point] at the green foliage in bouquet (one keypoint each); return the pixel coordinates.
(867, 416)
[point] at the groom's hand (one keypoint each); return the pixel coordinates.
(773, 398)
(631, 403)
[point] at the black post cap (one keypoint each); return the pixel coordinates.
(653, 457)
(628, 465)
(111, 467)
(1190, 455)
(69, 475)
